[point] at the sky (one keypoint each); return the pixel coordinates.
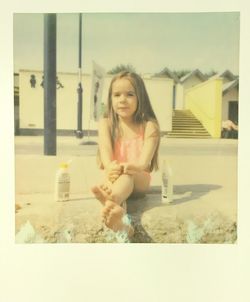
(147, 41)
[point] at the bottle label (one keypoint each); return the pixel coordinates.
(165, 190)
(62, 187)
(63, 190)
(164, 184)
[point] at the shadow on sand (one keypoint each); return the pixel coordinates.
(137, 205)
(184, 193)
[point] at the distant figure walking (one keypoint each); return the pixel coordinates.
(229, 129)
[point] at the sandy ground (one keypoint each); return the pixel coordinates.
(204, 209)
(78, 221)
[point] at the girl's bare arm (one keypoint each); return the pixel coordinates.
(112, 168)
(104, 142)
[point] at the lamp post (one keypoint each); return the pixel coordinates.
(79, 131)
(50, 84)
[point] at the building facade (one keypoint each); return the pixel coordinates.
(30, 108)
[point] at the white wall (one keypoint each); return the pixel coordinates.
(192, 81)
(160, 91)
(31, 100)
(179, 98)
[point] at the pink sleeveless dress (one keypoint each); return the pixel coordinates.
(128, 150)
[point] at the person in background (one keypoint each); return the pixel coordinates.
(229, 129)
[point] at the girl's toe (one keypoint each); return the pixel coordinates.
(105, 212)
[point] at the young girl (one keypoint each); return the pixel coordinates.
(128, 148)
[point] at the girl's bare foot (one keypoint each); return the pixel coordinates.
(102, 193)
(113, 215)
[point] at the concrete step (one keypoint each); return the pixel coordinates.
(189, 131)
(183, 115)
(185, 125)
(181, 135)
(182, 112)
(190, 127)
(187, 122)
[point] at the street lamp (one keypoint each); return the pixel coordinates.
(79, 131)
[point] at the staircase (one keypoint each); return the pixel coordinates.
(186, 125)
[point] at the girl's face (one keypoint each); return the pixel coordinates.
(124, 100)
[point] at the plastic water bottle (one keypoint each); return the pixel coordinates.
(166, 183)
(62, 186)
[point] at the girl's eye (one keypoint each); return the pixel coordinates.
(130, 94)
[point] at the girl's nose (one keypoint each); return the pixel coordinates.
(123, 98)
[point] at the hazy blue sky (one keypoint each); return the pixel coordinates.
(148, 41)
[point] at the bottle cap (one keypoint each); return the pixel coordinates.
(64, 165)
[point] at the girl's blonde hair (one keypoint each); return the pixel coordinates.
(144, 111)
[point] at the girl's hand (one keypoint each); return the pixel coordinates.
(131, 169)
(113, 170)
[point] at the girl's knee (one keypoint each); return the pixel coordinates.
(142, 182)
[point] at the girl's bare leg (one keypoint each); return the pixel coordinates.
(141, 182)
(112, 195)
(118, 191)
